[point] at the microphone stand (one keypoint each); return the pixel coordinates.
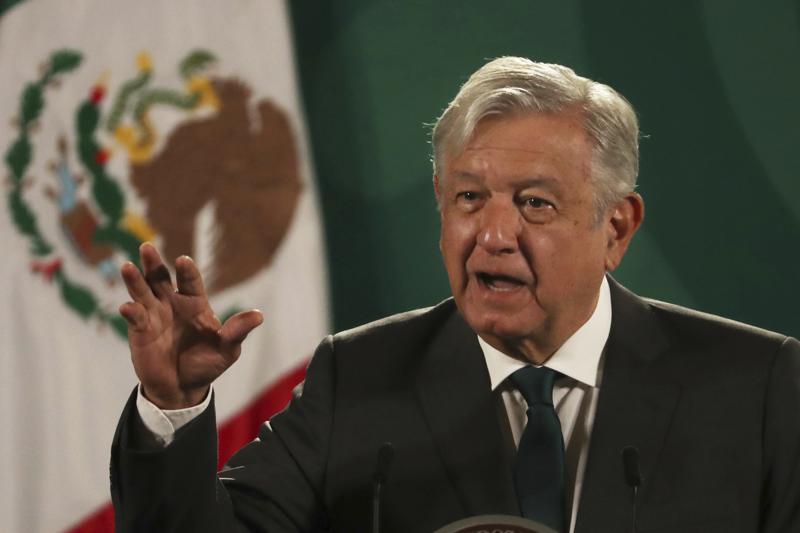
(385, 455)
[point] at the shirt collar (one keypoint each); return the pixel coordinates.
(578, 357)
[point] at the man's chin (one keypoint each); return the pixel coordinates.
(505, 328)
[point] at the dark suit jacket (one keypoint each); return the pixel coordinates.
(712, 406)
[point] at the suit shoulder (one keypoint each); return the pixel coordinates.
(407, 325)
(699, 324)
(693, 347)
(388, 352)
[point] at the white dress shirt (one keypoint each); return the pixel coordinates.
(163, 423)
(580, 361)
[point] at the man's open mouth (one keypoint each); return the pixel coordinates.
(499, 282)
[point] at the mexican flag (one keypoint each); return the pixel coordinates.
(172, 122)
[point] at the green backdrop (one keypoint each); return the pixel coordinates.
(716, 85)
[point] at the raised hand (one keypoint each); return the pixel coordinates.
(178, 345)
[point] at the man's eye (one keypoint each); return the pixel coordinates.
(538, 203)
(469, 196)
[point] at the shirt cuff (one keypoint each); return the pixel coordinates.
(163, 423)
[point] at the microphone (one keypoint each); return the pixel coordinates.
(633, 477)
(385, 455)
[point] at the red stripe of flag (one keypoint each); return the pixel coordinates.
(242, 428)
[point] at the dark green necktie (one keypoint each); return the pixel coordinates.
(539, 466)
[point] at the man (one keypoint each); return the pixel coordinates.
(517, 396)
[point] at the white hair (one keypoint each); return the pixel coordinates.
(516, 85)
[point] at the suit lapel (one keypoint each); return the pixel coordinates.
(462, 415)
(635, 407)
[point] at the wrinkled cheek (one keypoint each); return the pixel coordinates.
(543, 258)
(455, 249)
(456, 271)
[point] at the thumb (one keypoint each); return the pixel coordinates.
(235, 330)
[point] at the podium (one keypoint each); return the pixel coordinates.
(495, 524)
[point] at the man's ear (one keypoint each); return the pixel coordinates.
(626, 217)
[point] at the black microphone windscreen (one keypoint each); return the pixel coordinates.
(385, 455)
(630, 460)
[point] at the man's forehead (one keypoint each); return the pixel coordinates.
(528, 146)
(517, 182)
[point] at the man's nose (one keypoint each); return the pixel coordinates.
(500, 229)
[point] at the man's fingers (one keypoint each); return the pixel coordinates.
(137, 287)
(134, 314)
(190, 282)
(156, 272)
(236, 329)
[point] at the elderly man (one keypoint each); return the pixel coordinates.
(516, 396)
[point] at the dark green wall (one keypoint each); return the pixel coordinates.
(716, 85)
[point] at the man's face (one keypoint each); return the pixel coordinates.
(522, 247)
